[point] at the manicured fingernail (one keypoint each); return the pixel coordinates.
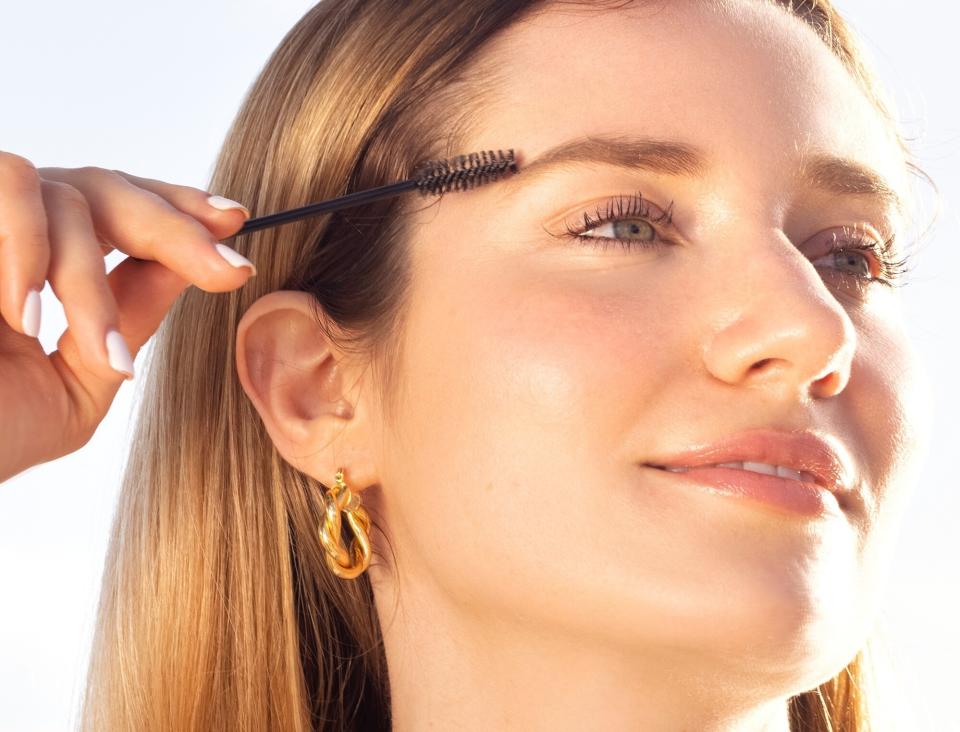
(118, 354)
(31, 314)
(225, 204)
(234, 257)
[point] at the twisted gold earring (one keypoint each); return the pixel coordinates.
(336, 499)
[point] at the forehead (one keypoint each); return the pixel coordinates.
(742, 79)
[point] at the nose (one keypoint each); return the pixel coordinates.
(783, 327)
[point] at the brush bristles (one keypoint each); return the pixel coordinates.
(463, 172)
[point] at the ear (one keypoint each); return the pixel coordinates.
(304, 389)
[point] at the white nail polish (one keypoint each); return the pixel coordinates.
(31, 314)
(234, 257)
(118, 354)
(225, 204)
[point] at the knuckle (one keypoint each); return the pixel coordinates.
(92, 171)
(18, 173)
(97, 176)
(68, 196)
(16, 164)
(94, 176)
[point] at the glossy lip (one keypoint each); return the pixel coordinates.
(822, 455)
(795, 497)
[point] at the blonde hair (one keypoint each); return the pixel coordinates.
(217, 609)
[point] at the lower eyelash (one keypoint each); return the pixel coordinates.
(892, 271)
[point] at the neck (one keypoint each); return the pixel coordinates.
(452, 669)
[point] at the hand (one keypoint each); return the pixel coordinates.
(56, 225)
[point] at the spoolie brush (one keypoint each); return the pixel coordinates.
(432, 177)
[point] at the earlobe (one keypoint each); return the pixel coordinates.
(293, 376)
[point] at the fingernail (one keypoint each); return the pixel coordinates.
(118, 354)
(31, 314)
(234, 257)
(225, 204)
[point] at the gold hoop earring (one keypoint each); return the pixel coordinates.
(343, 563)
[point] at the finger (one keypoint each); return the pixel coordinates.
(144, 225)
(77, 276)
(222, 216)
(24, 246)
(144, 291)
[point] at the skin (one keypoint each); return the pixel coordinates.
(56, 225)
(543, 580)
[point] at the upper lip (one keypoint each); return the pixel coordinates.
(822, 455)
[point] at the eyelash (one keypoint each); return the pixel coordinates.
(892, 271)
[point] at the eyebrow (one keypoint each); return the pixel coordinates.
(843, 176)
(821, 170)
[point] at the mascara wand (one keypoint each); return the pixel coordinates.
(432, 177)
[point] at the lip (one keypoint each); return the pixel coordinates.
(822, 455)
(787, 495)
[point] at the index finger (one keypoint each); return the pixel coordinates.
(144, 224)
(221, 215)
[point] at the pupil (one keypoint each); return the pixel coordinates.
(854, 260)
(622, 228)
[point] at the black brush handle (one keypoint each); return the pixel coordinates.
(334, 204)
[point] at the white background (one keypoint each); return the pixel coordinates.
(151, 88)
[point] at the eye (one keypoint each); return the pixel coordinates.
(861, 255)
(626, 231)
(630, 222)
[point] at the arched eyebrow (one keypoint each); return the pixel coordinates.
(843, 176)
(818, 169)
(668, 157)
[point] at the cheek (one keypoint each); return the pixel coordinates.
(891, 403)
(559, 361)
(517, 398)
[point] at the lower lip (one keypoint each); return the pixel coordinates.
(788, 495)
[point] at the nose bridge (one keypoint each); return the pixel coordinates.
(762, 252)
(786, 324)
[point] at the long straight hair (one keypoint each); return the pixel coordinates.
(217, 610)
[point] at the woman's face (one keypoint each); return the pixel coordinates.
(543, 371)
